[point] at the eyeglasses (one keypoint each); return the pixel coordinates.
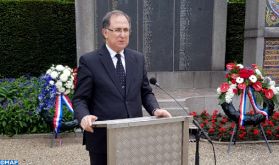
(120, 30)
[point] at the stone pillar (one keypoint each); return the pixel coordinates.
(254, 32)
(219, 35)
(85, 29)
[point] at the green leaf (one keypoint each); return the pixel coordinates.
(4, 123)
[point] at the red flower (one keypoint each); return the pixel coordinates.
(268, 132)
(241, 86)
(205, 121)
(75, 71)
(270, 123)
(202, 125)
(242, 128)
(257, 86)
(268, 93)
(233, 81)
(235, 91)
(246, 73)
(224, 120)
(204, 113)
(275, 116)
(222, 130)
(224, 87)
(194, 114)
(256, 132)
(242, 135)
(230, 66)
(234, 75)
(255, 66)
(211, 130)
(215, 112)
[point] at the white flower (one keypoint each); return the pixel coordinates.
(258, 72)
(274, 89)
(51, 82)
(253, 78)
(58, 84)
(67, 91)
(267, 80)
(240, 66)
(69, 84)
(63, 77)
(62, 89)
(59, 67)
(219, 91)
(239, 80)
(53, 75)
(233, 86)
(228, 98)
(272, 83)
(67, 72)
(48, 71)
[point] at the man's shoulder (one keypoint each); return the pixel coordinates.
(91, 55)
(133, 52)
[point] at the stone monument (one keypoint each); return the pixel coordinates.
(261, 44)
(183, 40)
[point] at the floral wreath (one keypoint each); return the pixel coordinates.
(59, 82)
(247, 81)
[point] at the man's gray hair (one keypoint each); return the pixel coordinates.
(106, 19)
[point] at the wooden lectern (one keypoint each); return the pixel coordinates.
(147, 140)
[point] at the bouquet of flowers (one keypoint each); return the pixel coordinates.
(62, 77)
(240, 77)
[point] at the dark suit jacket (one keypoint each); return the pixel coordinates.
(98, 92)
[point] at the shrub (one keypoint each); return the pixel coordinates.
(18, 107)
(34, 34)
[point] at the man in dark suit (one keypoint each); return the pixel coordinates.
(112, 84)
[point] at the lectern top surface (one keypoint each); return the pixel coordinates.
(130, 122)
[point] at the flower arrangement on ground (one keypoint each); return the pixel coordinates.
(59, 82)
(247, 81)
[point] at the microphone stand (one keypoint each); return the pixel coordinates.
(198, 134)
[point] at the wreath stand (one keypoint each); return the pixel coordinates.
(55, 139)
(234, 135)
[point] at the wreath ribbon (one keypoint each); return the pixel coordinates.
(252, 99)
(58, 114)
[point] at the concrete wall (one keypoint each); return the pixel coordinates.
(189, 79)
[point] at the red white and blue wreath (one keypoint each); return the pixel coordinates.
(247, 81)
(58, 83)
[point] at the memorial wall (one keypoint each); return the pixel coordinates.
(174, 35)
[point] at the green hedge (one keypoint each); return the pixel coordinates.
(34, 35)
(235, 32)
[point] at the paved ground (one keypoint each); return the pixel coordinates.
(36, 150)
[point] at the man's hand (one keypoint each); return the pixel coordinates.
(87, 121)
(161, 113)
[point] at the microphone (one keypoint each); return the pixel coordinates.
(153, 81)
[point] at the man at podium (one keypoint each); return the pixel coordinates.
(112, 84)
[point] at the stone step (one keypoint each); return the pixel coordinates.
(168, 103)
